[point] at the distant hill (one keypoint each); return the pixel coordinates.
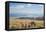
(36, 18)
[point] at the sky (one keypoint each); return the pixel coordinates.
(26, 10)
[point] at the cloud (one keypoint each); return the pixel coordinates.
(26, 9)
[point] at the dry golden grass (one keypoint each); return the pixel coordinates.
(22, 23)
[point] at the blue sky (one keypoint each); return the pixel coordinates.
(26, 10)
